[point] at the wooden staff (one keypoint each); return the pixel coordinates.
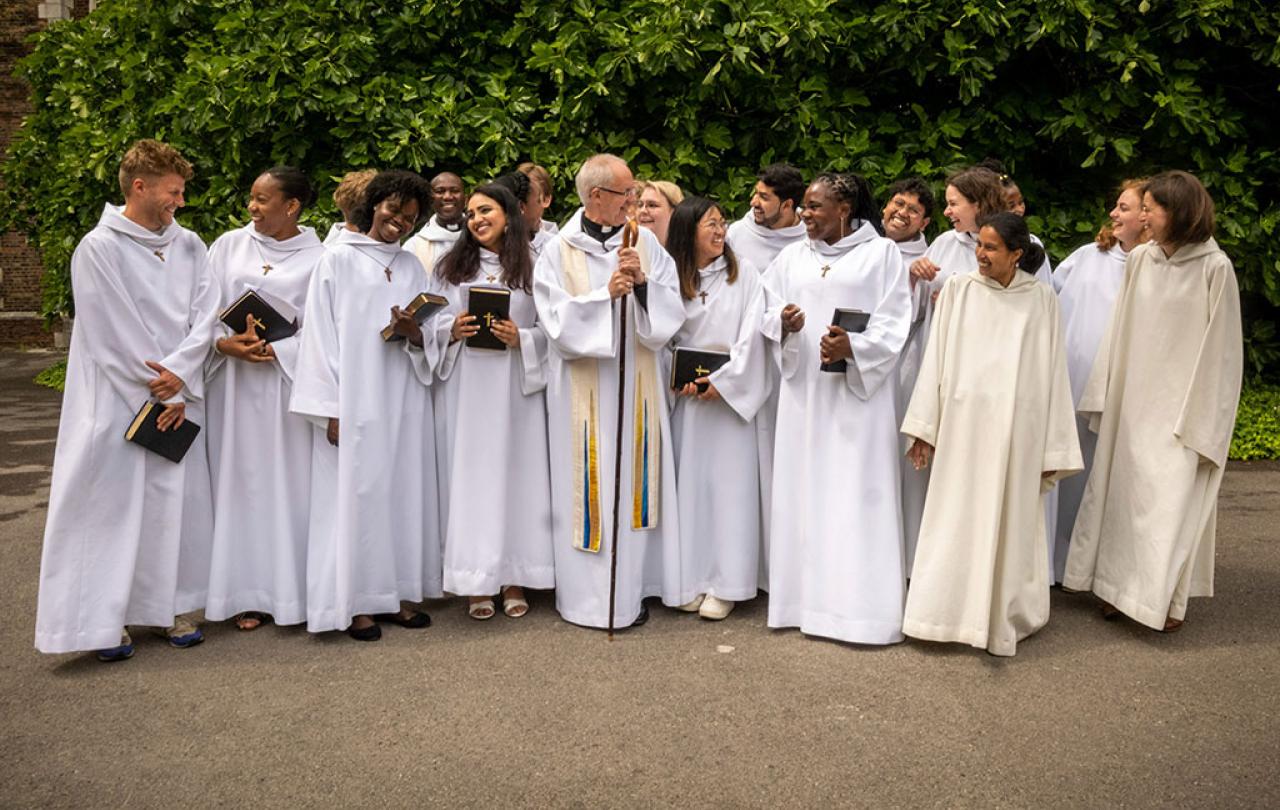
(630, 236)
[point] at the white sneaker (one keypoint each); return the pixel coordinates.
(692, 606)
(715, 609)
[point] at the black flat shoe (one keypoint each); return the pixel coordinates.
(417, 621)
(371, 633)
(642, 617)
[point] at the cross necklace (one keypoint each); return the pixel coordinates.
(266, 265)
(826, 267)
(385, 269)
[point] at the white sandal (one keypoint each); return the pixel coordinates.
(482, 610)
(514, 606)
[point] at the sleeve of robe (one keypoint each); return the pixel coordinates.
(783, 352)
(1062, 442)
(315, 389)
(438, 329)
(924, 413)
(430, 356)
(533, 359)
(742, 382)
(1208, 414)
(876, 349)
(662, 314)
(577, 326)
(187, 361)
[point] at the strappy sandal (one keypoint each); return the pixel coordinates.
(251, 620)
(482, 610)
(514, 606)
(1172, 625)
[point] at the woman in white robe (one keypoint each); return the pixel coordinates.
(835, 556)
(971, 195)
(714, 431)
(259, 452)
(1162, 398)
(374, 532)
(1088, 282)
(348, 196)
(127, 536)
(496, 479)
(993, 399)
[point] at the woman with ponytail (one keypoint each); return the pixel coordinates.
(992, 411)
(835, 553)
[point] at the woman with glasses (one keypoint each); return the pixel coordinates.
(655, 202)
(713, 419)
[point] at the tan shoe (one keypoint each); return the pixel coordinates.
(715, 609)
(693, 605)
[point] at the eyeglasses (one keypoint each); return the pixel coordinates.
(714, 225)
(629, 193)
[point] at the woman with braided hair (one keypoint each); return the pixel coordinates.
(835, 560)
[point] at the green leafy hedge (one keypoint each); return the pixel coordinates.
(1074, 95)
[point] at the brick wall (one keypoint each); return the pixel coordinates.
(20, 266)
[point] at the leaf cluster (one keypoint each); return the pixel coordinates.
(1073, 95)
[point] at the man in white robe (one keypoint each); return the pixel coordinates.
(445, 226)
(1162, 398)
(578, 281)
(772, 223)
(127, 537)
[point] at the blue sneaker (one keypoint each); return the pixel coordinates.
(186, 639)
(121, 652)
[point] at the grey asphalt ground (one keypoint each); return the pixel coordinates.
(680, 712)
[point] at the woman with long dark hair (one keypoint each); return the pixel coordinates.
(713, 419)
(258, 569)
(1162, 398)
(992, 411)
(835, 553)
(492, 413)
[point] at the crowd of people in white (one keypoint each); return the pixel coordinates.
(901, 438)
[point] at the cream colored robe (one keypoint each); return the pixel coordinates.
(1162, 398)
(993, 398)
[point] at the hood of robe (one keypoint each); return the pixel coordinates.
(864, 233)
(490, 262)
(304, 240)
(549, 227)
(113, 217)
(368, 245)
(913, 249)
(1022, 280)
(1189, 253)
(718, 265)
(777, 238)
(433, 231)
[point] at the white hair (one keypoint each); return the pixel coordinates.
(596, 172)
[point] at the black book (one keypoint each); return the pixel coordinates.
(268, 321)
(489, 305)
(423, 306)
(173, 443)
(690, 364)
(851, 321)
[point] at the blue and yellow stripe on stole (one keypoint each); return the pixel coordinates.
(588, 489)
(646, 471)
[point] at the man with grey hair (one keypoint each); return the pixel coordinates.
(585, 283)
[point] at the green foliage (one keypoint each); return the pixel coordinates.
(1073, 95)
(1257, 434)
(55, 376)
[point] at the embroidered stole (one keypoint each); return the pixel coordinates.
(584, 384)
(425, 250)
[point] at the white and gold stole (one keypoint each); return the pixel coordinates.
(584, 383)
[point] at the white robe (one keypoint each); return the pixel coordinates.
(835, 560)
(1087, 282)
(759, 246)
(586, 326)
(496, 482)
(717, 472)
(432, 241)
(1162, 398)
(374, 530)
(992, 397)
(335, 230)
(127, 535)
(954, 253)
(259, 452)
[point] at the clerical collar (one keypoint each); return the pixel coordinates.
(453, 227)
(600, 233)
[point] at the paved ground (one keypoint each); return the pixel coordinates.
(678, 713)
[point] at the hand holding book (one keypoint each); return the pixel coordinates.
(246, 345)
(404, 325)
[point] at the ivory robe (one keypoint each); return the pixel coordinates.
(835, 560)
(432, 241)
(127, 535)
(334, 230)
(759, 246)
(1162, 398)
(992, 397)
(259, 452)
(496, 484)
(374, 530)
(585, 327)
(717, 477)
(954, 253)
(1087, 282)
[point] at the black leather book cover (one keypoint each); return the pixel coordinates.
(851, 321)
(489, 305)
(268, 322)
(173, 443)
(690, 364)
(423, 306)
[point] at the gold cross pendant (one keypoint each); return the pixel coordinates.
(266, 268)
(387, 270)
(158, 255)
(490, 278)
(825, 268)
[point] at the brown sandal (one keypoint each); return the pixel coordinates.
(1109, 611)
(1171, 625)
(251, 620)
